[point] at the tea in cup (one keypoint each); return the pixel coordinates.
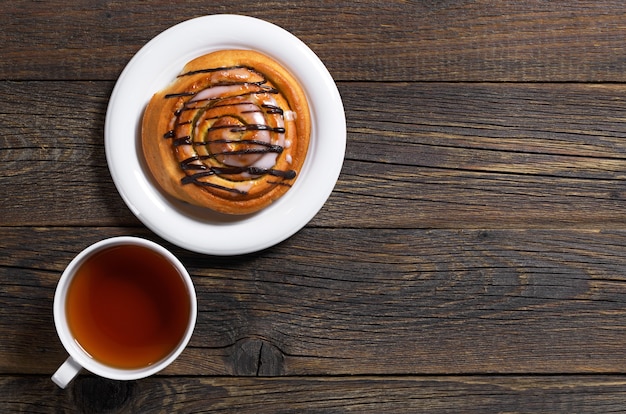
(124, 309)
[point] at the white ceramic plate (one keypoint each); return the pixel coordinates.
(201, 230)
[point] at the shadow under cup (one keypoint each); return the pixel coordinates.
(124, 309)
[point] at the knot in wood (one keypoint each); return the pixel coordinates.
(257, 357)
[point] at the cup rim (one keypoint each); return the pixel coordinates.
(71, 345)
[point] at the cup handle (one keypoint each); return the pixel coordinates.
(66, 372)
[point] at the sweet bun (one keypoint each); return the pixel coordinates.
(230, 133)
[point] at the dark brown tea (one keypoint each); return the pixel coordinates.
(128, 307)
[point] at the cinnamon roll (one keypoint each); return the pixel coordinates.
(230, 133)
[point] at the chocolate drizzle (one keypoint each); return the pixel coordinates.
(178, 95)
(189, 163)
(226, 69)
(271, 109)
(209, 171)
(197, 124)
(268, 147)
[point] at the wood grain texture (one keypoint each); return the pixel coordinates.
(452, 40)
(420, 155)
(454, 394)
(470, 259)
(362, 302)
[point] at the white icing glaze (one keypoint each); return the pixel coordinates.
(290, 115)
(215, 92)
(267, 161)
(243, 186)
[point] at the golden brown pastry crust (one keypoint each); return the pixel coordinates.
(231, 133)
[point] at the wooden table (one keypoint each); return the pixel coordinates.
(472, 257)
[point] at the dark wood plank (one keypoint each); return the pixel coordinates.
(482, 155)
(53, 155)
(453, 40)
(419, 155)
(493, 394)
(348, 301)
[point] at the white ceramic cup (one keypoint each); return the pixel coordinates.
(79, 359)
